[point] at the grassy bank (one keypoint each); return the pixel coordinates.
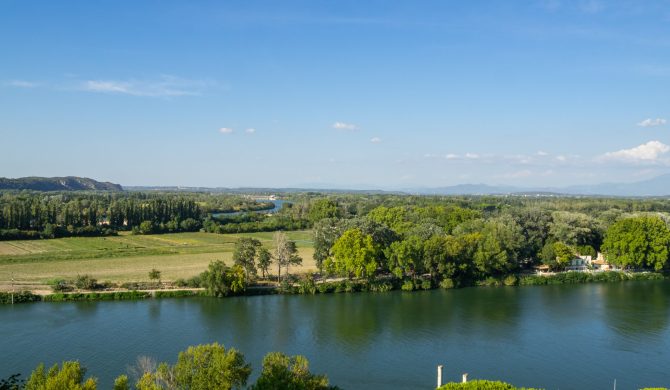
(307, 285)
(587, 277)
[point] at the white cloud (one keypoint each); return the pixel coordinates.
(225, 130)
(451, 156)
(649, 152)
(166, 86)
(375, 140)
(652, 122)
(471, 156)
(344, 126)
(561, 158)
(250, 130)
(22, 84)
(542, 153)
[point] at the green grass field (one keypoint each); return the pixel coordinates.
(127, 257)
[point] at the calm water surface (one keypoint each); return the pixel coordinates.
(557, 337)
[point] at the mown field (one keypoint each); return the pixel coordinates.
(127, 257)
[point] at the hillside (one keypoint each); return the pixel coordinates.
(69, 183)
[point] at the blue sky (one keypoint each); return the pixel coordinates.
(355, 94)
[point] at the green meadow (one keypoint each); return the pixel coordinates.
(126, 257)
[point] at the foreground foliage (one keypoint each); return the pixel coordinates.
(481, 385)
(201, 367)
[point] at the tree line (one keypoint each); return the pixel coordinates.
(454, 245)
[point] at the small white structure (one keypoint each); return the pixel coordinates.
(600, 264)
(580, 263)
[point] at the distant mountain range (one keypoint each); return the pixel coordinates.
(658, 186)
(69, 183)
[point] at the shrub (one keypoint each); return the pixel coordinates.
(60, 285)
(426, 284)
(490, 281)
(479, 385)
(306, 285)
(407, 285)
(325, 287)
(19, 297)
(86, 282)
(511, 280)
(381, 286)
(447, 284)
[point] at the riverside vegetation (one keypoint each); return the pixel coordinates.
(369, 242)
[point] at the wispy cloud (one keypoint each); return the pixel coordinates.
(375, 140)
(652, 122)
(652, 151)
(22, 84)
(344, 126)
(250, 130)
(165, 86)
(226, 130)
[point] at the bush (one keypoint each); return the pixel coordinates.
(86, 282)
(306, 285)
(19, 297)
(176, 293)
(426, 284)
(490, 281)
(380, 286)
(511, 280)
(480, 385)
(60, 285)
(119, 295)
(325, 287)
(407, 285)
(447, 284)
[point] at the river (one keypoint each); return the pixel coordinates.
(567, 337)
(278, 204)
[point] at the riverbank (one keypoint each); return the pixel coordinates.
(308, 286)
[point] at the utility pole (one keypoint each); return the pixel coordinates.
(12, 288)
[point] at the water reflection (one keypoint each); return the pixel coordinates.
(637, 312)
(550, 336)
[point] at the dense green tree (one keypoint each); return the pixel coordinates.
(264, 260)
(534, 223)
(323, 208)
(641, 242)
(498, 249)
(210, 366)
(354, 254)
(283, 372)
(575, 229)
(405, 257)
(220, 280)
(325, 232)
(244, 255)
(557, 255)
(396, 218)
